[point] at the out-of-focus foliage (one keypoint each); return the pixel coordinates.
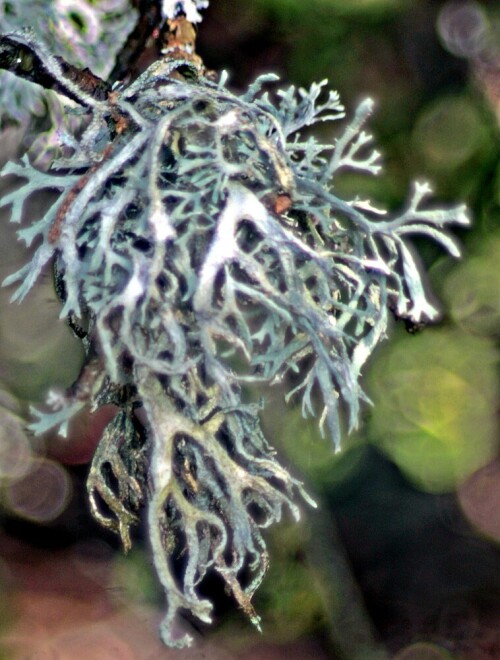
(435, 398)
(290, 595)
(450, 132)
(135, 579)
(471, 290)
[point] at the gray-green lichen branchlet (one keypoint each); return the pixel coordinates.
(197, 230)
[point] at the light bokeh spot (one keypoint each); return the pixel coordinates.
(42, 494)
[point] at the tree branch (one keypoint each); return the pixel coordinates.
(21, 54)
(150, 20)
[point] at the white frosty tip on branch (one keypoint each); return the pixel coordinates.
(172, 9)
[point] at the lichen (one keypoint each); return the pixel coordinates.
(199, 244)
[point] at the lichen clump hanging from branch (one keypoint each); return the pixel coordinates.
(197, 231)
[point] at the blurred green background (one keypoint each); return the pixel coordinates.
(402, 558)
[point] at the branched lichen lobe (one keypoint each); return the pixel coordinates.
(197, 231)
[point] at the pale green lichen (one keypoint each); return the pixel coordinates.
(197, 231)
